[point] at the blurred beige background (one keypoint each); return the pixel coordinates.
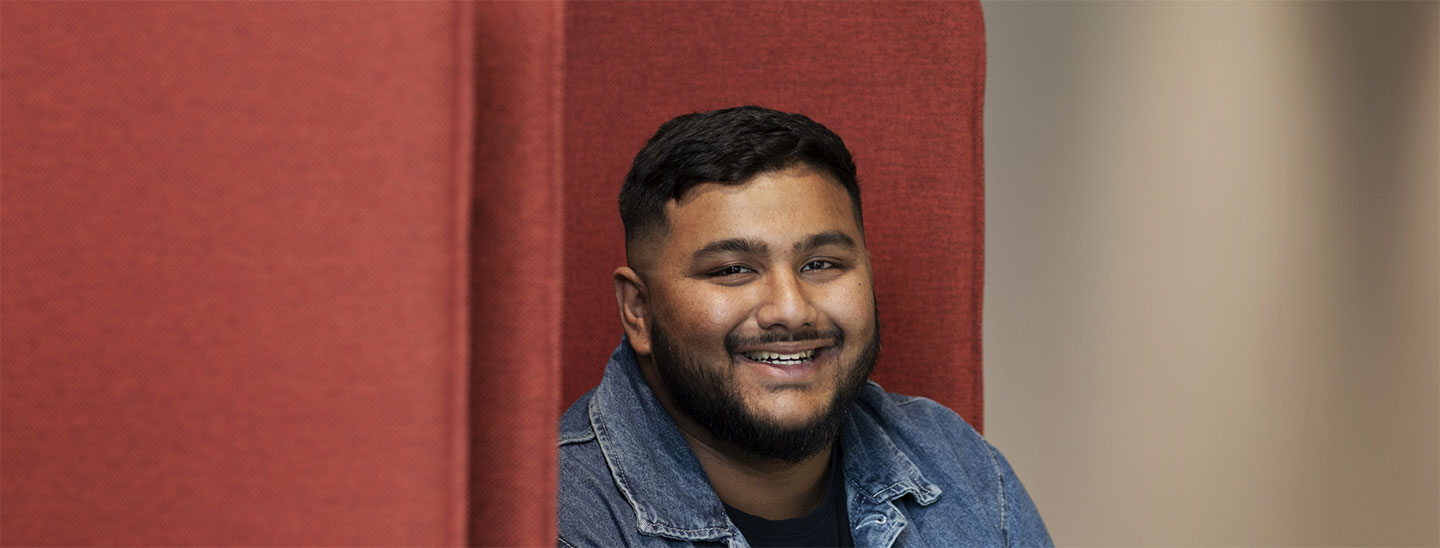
(1213, 301)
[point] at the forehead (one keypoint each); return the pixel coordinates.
(779, 207)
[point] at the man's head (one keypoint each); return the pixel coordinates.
(728, 146)
(748, 296)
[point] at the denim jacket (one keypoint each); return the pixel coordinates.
(915, 475)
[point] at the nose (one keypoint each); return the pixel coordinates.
(787, 305)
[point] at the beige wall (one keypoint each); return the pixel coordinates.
(1213, 301)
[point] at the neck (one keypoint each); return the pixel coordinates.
(769, 488)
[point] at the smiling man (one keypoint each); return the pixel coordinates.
(736, 410)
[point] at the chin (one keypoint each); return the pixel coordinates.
(787, 416)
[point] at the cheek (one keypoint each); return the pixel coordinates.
(704, 315)
(852, 308)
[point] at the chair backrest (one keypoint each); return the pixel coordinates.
(310, 274)
(230, 277)
(901, 82)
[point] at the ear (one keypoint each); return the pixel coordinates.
(632, 298)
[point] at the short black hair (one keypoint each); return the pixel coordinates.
(728, 146)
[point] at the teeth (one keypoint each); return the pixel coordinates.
(773, 357)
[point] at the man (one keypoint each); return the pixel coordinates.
(736, 410)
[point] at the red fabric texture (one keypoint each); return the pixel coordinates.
(231, 297)
(313, 273)
(517, 266)
(902, 82)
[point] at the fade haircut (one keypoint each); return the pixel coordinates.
(728, 146)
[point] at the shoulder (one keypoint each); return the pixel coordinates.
(936, 439)
(921, 425)
(950, 453)
(592, 512)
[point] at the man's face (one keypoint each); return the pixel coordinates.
(762, 311)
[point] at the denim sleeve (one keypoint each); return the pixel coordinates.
(1022, 523)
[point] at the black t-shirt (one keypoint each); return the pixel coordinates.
(826, 525)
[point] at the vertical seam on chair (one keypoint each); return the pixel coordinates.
(462, 177)
(978, 155)
(557, 178)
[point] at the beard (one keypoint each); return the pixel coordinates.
(708, 395)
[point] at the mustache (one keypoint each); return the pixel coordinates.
(733, 341)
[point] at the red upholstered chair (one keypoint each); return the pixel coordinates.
(901, 82)
(326, 273)
(235, 264)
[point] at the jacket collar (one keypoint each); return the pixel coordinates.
(659, 475)
(873, 464)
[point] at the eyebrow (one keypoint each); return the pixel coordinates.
(742, 246)
(750, 246)
(829, 237)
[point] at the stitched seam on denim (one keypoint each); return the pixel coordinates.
(900, 489)
(914, 479)
(582, 438)
(1000, 484)
(858, 489)
(708, 532)
(920, 493)
(898, 527)
(623, 483)
(598, 427)
(885, 495)
(562, 541)
(861, 493)
(911, 399)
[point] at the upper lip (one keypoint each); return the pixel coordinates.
(786, 348)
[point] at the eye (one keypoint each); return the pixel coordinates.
(818, 265)
(730, 270)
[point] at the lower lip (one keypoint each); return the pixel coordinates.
(789, 372)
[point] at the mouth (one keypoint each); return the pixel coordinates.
(779, 359)
(796, 358)
(787, 362)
